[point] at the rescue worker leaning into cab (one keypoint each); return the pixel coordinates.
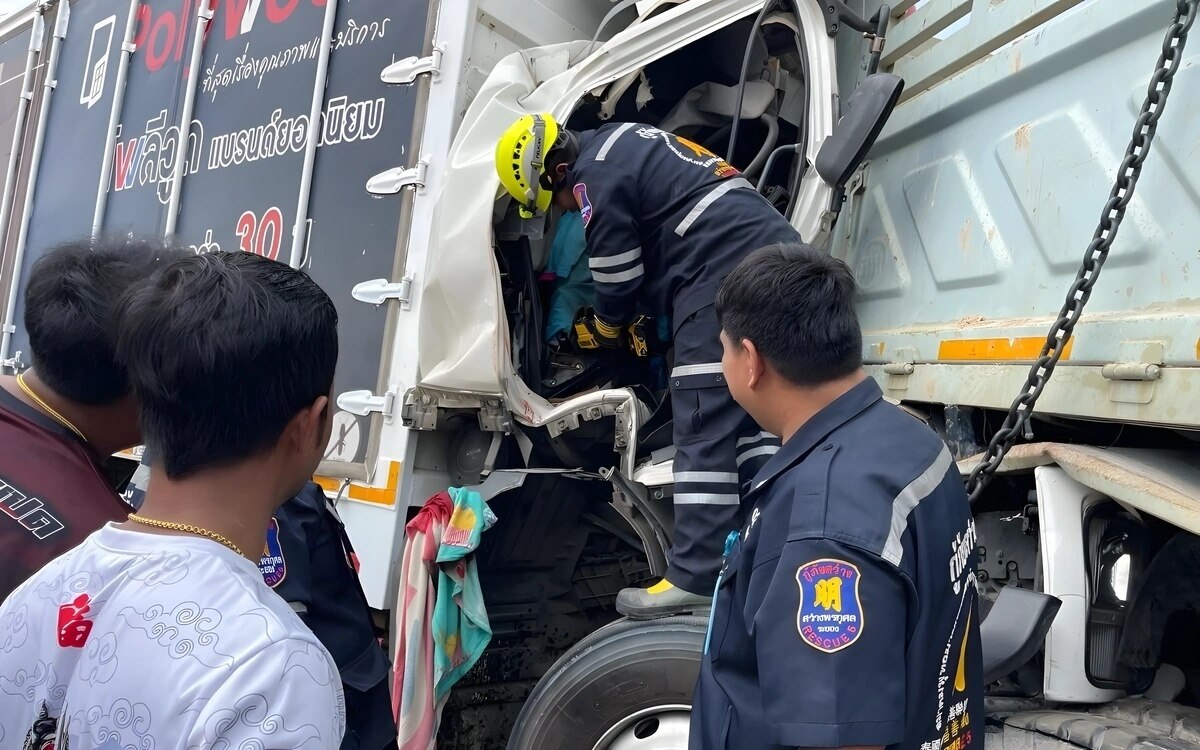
(846, 613)
(665, 220)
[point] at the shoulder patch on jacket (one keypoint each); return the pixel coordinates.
(585, 205)
(830, 616)
(271, 564)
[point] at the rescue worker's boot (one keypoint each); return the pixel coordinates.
(662, 599)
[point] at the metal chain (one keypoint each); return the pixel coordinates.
(1097, 252)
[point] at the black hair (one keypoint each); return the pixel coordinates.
(69, 302)
(564, 151)
(223, 350)
(796, 304)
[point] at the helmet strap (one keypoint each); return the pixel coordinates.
(534, 162)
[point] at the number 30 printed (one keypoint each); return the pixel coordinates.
(261, 237)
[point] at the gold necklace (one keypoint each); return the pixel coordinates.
(185, 527)
(47, 408)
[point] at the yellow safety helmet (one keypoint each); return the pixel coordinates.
(521, 162)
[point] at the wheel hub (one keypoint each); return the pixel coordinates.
(654, 728)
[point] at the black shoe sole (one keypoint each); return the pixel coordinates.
(658, 613)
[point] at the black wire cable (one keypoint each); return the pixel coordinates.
(755, 31)
(881, 18)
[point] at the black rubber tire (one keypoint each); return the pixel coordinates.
(1127, 724)
(618, 670)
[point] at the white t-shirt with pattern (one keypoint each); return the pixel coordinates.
(136, 640)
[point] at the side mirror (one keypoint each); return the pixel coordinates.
(867, 111)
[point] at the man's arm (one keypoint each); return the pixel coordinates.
(830, 641)
(285, 697)
(607, 198)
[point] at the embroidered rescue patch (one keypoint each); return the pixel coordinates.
(830, 616)
(585, 205)
(272, 565)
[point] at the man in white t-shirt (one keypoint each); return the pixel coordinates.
(159, 632)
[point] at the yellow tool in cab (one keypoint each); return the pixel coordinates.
(638, 343)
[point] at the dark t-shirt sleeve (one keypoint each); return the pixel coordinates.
(830, 641)
(53, 493)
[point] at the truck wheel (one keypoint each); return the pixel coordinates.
(1128, 724)
(627, 686)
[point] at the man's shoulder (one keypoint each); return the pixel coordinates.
(102, 622)
(44, 469)
(307, 505)
(618, 137)
(885, 447)
(881, 465)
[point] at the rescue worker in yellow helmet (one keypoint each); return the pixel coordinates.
(666, 219)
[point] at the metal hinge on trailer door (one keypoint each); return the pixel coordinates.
(404, 72)
(364, 403)
(1132, 379)
(392, 181)
(377, 291)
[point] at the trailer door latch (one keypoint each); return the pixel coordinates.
(392, 181)
(363, 403)
(378, 291)
(404, 72)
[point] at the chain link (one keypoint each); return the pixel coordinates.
(1097, 252)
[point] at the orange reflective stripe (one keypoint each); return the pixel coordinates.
(1003, 349)
(385, 495)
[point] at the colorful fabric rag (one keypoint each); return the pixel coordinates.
(412, 689)
(442, 630)
(460, 622)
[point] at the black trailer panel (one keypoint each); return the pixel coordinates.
(244, 154)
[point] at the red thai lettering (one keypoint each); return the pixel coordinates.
(143, 25)
(188, 11)
(73, 629)
(234, 11)
(162, 32)
(277, 13)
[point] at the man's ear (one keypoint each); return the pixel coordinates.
(307, 427)
(755, 364)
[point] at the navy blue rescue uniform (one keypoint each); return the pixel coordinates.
(666, 220)
(307, 559)
(846, 612)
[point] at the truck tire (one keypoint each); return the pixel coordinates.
(627, 686)
(1130, 724)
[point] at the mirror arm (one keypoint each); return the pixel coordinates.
(838, 12)
(881, 19)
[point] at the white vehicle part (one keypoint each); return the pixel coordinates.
(1160, 483)
(1069, 479)
(1062, 502)
(655, 475)
(464, 339)
(621, 403)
